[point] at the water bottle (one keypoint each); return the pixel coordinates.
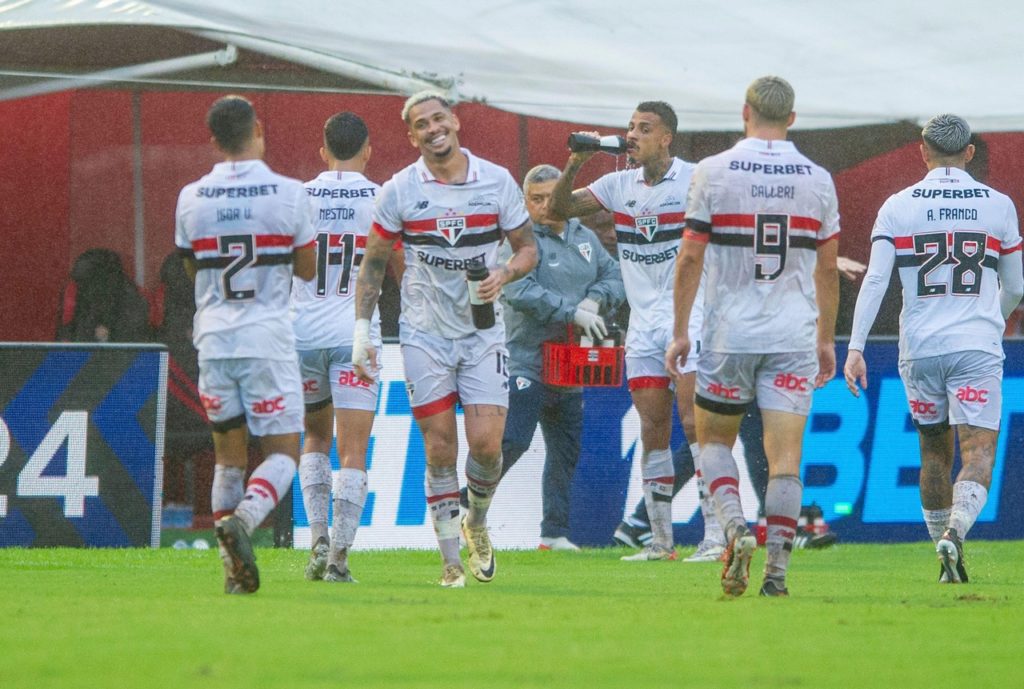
(580, 143)
(483, 312)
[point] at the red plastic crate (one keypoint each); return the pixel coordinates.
(571, 365)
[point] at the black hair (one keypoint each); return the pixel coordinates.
(344, 135)
(231, 120)
(664, 111)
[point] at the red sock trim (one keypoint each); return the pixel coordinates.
(258, 483)
(723, 481)
(431, 499)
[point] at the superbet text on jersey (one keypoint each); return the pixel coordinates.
(323, 309)
(445, 228)
(949, 231)
(649, 222)
(764, 208)
(240, 223)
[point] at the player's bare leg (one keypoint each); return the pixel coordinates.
(354, 427)
(783, 444)
(716, 434)
(485, 425)
(315, 479)
(654, 406)
(936, 444)
(970, 492)
(440, 443)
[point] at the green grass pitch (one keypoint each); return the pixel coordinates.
(859, 616)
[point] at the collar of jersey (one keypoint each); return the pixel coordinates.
(948, 172)
(671, 173)
(472, 171)
(339, 175)
(237, 168)
(775, 146)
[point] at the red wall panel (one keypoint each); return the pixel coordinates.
(34, 177)
(101, 210)
(68, 174)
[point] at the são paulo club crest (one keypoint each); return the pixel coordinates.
(647, 225)
(584, 248)
(451, 228)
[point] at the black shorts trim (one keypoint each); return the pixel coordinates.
(931, 429)
(724, 408)
(229, 424)
(317, 406)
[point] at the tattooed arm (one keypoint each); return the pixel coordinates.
(567, 204)
(371, 275)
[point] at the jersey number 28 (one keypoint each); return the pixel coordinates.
(966, 253)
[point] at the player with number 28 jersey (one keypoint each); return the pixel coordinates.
(949, 231)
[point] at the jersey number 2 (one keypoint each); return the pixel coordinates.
(227, 245)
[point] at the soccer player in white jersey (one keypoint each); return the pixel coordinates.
(956, 245)
(323, 315)
(649, 207)
(451, 210)
(241, 229)
(763, 220)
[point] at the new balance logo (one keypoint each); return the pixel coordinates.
(422, 205)
(969, 394)
(270, 406)
(722, 391)
(922, 408)
(787, 381)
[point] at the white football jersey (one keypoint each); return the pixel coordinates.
(240, 223)
(764, 207)
(444, 228)
(949, 231)
(323, 309)
(649, 224)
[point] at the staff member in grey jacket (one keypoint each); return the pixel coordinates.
(574, 282)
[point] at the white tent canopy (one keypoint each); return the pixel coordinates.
(868, 62)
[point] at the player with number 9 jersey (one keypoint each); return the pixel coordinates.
(763, 208)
